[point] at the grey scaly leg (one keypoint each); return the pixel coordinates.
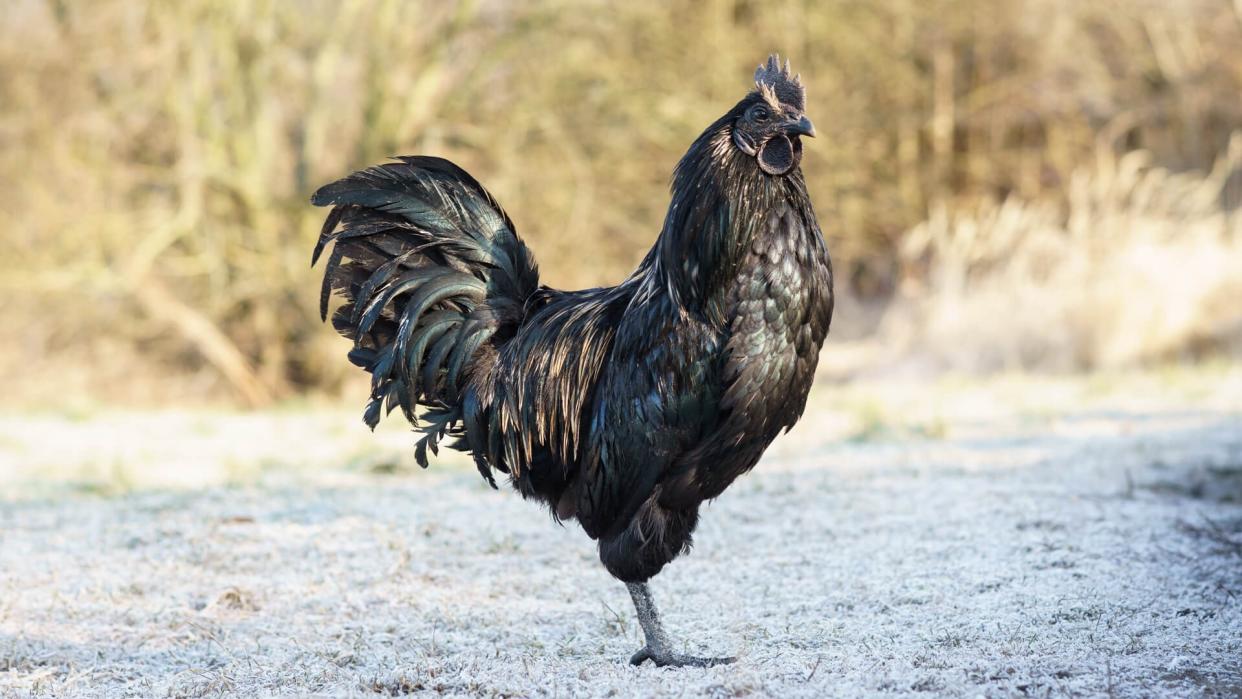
(659, 649)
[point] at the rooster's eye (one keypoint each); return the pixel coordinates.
(759, 113)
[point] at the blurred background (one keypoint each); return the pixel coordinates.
(1044, 186)
(1019, 472)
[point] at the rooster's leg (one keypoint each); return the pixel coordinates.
(659, 649)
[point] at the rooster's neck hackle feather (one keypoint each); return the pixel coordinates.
(720, 199)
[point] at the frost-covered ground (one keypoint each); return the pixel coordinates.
(1087, 551)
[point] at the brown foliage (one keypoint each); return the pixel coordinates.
(171, 146)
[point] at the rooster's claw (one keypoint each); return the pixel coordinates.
(666, 659)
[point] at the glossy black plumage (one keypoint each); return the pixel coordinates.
(624, 407)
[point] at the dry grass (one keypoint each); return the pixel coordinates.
(1071, 556)
(1139, 264)
(99, 449)
(156, 156)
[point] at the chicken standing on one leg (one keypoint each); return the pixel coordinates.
(624, 408)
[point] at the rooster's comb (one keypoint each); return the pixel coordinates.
(779, 84)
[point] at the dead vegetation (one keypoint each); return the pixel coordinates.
(1138, 264)
(977, 158)
(1007, 558)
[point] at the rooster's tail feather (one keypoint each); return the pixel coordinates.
(430, 269)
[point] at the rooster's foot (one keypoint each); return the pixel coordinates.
(664, 658)
(658, 644)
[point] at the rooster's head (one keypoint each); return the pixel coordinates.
(769, 121)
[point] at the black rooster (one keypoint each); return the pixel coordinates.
(626, 407)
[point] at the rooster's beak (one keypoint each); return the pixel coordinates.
(801, 127)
